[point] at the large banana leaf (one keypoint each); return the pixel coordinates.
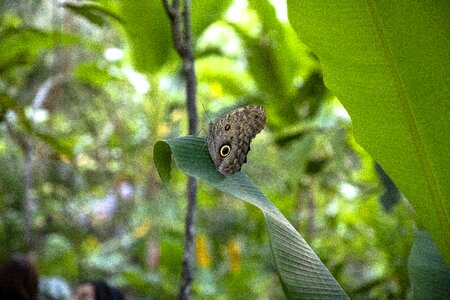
(388, 62)
(302, 274)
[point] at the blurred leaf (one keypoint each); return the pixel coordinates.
(58, 258)
(274, 57)
(264, 64)
(142, 281)
(391, 194)
(92, 73)
(297, 154)
(429, 275)
(301, 272)
(23, 119)
(224, 76)
(205, 12)
(6, 103)
(63, 145)
(279, 50)
(93, 12)
(22, 45)
(388, 64)
(148, 31)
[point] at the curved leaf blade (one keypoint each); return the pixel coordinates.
(301, 272)
(388, 63)
(429, 275)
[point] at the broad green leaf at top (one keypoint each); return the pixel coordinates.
(388, 63)
(147, 29)
(302, 274)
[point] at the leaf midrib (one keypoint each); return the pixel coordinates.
(436, 197)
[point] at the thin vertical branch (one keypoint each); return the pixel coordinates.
(189, 70)
(28, 182)
(27, 145)
(27, 179)
(182, 39)
(189, 249)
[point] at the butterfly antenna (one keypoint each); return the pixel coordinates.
(203, 129)
(206, 112)
(200, 130)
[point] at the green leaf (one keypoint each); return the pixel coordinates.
(58, 258)
(92, 73)
(429, 275)
(148, 32)
(388, 64)
(274, 54)
(21, 46)
(232, 78)
(93, 12)
(162, 154)
(200, 19)
(62, 144)
(301, 272)
(7, 102)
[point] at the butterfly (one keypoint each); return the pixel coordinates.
(230, 136)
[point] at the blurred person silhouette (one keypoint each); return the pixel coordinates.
(96, 290)
(18, 279)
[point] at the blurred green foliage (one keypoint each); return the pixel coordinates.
(99, 210)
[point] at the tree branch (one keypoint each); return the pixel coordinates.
(189, 70)
(173, 11)
(27, 145)
(182, 39)
(28, 181)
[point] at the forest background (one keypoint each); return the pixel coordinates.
(88, 89)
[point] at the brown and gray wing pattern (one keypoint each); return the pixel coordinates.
(235, 129)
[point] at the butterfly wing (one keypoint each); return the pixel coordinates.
(235, 129)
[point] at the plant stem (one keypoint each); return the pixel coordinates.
(182, 39)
